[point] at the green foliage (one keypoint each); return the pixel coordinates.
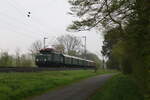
(120, 87)
(112, 48)
(17, 60)
(127, 38)
(94, 13)
(112, 63)
(18, 86)
(26, 61)
(95, 58)
(6, 59)
(131, 52)
(147, 94)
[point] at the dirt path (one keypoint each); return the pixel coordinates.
(77, 91)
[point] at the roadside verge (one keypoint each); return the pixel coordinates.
(119, 87)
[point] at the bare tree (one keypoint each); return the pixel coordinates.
(71, 44)
(17, 57)
(59, 47)
(35, 47)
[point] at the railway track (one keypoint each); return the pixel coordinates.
(37, 69)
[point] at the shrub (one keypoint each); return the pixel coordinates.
(120, 87)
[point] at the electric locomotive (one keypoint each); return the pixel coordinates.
(48, 57)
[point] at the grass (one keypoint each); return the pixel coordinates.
(147, 95)
(18, 86)
(120, 87)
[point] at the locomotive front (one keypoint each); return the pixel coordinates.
(43, 58)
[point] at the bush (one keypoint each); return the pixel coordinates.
(15, 60)
(6, 59)
(120, 87)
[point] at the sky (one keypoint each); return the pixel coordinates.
(48, 18)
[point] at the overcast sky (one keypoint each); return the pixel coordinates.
(49, 18)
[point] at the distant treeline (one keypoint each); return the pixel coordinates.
(18, 60)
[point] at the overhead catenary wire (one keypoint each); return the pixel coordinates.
(26, 23)
(22, 10)
(22, 24)
(34, 19)
(23, 32)
(23, 35)
(15, 7)
(13, 27)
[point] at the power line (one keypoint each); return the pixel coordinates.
(36, 21)
(12, 25)
(38, 28)
(22, 35)
(24, 13)
(24, 28)
(17, 9)
(29, 14)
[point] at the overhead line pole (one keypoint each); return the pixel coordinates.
(84, 46)
(45, 42)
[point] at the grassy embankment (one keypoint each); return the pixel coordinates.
(17, 86)
(120, 87)
(147, 96)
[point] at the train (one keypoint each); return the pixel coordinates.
(48, 57)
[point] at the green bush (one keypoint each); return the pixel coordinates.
(6, 59)
(120, 87)
(15, 60)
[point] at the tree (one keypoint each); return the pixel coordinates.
(69, 44)
(131, 18)
(6, 59)
(59, 47)
(94, 13)
(95, 58)
(26, 60)
(17, 57)
(35, 47)
(111, 37)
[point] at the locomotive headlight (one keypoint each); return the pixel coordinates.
(37, 59)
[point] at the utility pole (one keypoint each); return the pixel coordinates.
(84, 46)
(45, 42)
(103, 62)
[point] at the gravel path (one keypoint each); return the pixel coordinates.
(76, 91)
